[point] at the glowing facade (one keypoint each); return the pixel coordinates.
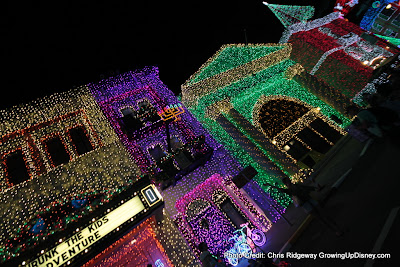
(61, 163)
(192, 159)
(333, 43)
(239, 93)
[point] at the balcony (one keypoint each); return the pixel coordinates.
(140, 124)
(175, 165)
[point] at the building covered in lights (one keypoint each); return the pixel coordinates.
(333, 43)
(387, 22)
(248, 98)
(203, 186)
(70, 189)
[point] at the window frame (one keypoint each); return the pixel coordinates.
(3, 158)
(88, 136)
(45, 149)
(384, 17)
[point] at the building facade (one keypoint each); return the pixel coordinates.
(333, 43)
(195, 174)
(248, 98)
(69, 188)
(387, 22)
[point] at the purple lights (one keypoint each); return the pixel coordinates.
(204, 202)
(213, 210)
(127, 91)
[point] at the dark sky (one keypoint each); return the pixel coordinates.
(52, 46)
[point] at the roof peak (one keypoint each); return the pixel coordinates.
(289, 14)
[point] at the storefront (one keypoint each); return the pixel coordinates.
(128, 217)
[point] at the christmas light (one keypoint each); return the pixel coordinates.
(373, 12)
(290, 15)
(334, 43)
(200, 210)
(246, 91)
(104, 169)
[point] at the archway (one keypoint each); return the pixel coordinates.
(296, 128)
(210, 225)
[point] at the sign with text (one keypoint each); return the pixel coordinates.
(151, 195)
(71, 247)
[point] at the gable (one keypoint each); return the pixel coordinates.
(230, 64)
(230, 57)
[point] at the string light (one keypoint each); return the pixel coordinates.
(116, 93)
(104, 169)
(245, 93)
(289, 15)
(212, 226)
(372, 13)
(332, 42)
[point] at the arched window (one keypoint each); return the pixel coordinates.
(278, 114)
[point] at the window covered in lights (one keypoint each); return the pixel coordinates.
(157, 153)
(56, 151)
(396, 21)
(278, 114)
(80, 140)
(16, 168)
(127, 111)
(377, 27)
(387, 13)
(390, 33)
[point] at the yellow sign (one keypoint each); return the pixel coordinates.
(82, 240)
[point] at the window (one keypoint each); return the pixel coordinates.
(386, 13)
(396, 21)
(16, 168)
(56, 150)
(143, 103)
(326, 130)
(377, 27)
(390, 33)
(127, 111)
(157, 153)
(80, 140)
(296, 149)
(175, 143)
(231, 211)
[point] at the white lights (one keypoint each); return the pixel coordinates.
(104, 169)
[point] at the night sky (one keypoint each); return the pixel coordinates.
(50, 47)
